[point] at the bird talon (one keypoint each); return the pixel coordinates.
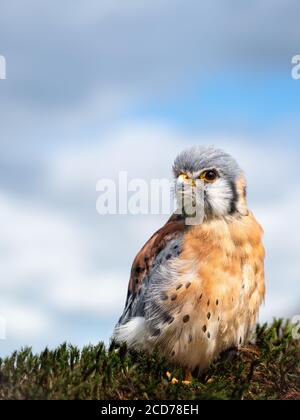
(186, 382)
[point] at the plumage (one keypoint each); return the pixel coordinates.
(195, 290)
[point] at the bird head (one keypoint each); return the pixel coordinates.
(209, 183)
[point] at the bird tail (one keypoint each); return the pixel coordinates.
(132, 332)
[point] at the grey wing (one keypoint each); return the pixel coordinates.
(162, 247)
(136, 303)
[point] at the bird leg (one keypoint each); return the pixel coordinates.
(174, 381)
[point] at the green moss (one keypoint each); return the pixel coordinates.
(268, 370)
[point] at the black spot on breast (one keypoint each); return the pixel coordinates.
(164, 296)
(186, 318)
(204, 328)
(173, 353)
(139, 269)
(217, 302)
(187, 285)
(168, 256)
(208, 334)
(190, 338)
(240, 340)
(167, 318)
(179, 286)
(208, 302)
(208, 315)
(173, 297)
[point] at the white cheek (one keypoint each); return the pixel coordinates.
(219, 196)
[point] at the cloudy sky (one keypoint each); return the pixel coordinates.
(97, 87)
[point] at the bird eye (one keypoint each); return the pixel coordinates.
(209, 176)
(183, 177)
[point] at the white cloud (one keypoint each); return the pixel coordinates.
(100, 294)
(282, 242)
(22, 322)
(36, 243)
(43, 251)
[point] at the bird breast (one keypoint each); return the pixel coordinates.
(207, 299)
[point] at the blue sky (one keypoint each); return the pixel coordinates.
(230, 101)
(95, 88)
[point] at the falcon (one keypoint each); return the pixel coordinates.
(195, 288)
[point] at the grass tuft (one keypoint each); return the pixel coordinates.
(270, 369)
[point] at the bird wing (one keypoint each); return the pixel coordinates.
(163, 245)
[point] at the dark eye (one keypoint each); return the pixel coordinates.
(209, 176)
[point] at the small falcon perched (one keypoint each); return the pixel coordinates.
(195, 288)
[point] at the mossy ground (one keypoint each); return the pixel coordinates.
(268, 370)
